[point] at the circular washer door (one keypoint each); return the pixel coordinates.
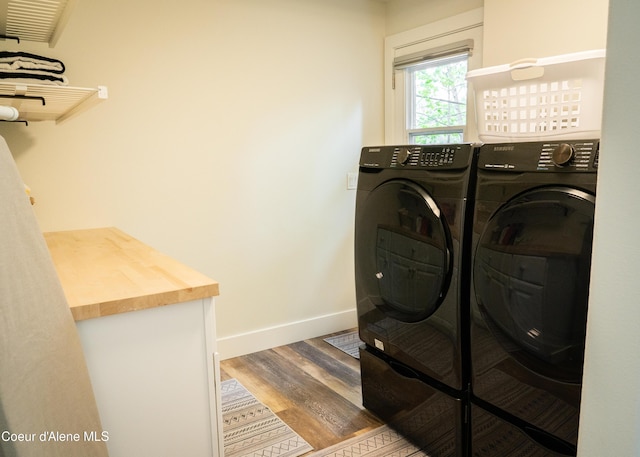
(403, 254)
(531, 278)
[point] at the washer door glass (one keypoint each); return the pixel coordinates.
(403, 255)
(531, 278)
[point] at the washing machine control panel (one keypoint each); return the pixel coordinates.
(544, 156)
(417, 157)
(577, 156)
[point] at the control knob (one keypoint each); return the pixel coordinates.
(403, 156)
(563, 155)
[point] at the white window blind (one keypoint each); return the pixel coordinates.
(433, 43)
(457, 48)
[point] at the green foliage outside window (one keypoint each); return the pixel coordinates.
(439, 101)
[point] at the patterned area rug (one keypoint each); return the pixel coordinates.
(252, 429)
(346, 342)
(381, 442)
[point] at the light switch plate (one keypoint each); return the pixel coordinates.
(352, 180)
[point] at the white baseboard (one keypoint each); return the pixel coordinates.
(258, 340)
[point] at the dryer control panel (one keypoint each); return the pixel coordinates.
(435, 157)
(542, 156)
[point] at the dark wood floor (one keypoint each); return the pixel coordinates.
(312, 386)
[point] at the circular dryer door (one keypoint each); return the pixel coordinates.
(531, 278)
(403, 255)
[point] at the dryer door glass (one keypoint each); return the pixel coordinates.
(403, 254)
(531, 278)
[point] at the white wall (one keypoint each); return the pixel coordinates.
(226, 140)
(610, 415)
(518, 29)
(403, 15)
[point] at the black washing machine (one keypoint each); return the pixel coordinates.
(412, 276)
(532, 237)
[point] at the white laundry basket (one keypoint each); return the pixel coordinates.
(550, 98)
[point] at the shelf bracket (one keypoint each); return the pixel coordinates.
(26, 123)
(10, 37)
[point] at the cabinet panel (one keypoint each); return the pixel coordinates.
(155, 378)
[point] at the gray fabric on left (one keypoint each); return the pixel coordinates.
(45, 389)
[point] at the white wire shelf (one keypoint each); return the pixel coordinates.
(48, 102)
(35, 20)
(42, 21)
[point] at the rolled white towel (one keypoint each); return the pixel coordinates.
(8, 113)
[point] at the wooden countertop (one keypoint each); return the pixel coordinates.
(105, 271)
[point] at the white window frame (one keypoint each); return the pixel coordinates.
(465, 26)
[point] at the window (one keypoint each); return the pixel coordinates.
(426, 99)
(437, 101)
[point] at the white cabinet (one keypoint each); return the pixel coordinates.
(155, 380)
(147, 327)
